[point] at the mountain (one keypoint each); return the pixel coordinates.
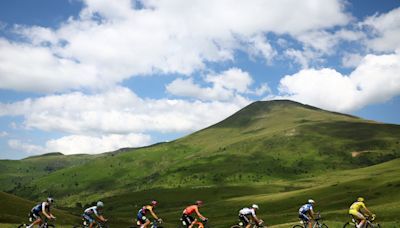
(266, 147)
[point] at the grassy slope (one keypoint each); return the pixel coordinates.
(264, 142)
(15, 210)
(334, 192)
(267, 147)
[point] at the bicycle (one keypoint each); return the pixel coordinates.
(98, 224)
(31, 219)
(240, 224)
(198, 224)
(317, 224)
(370, 223)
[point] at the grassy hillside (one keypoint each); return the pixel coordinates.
(15, 210)
(275, 152)
(16, 174)
(265, 141)
(278, 201)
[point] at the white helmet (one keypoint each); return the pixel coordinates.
(311, 201)
(255, 206)
(50, 200)
(100, 204)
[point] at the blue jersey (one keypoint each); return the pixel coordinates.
(305, 208)
(39, 208)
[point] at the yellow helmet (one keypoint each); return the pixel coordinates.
(360, 199)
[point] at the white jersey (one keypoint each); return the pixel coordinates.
(92, 210)
(248, 211)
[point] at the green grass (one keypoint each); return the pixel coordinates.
(333, 192)
(276, 153)
(14, 209)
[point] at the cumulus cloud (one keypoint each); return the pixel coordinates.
(118, 111)
(351, 60)
(77, 144)
(83, 144)
(29, 148)
(375, 80)
(3, 134)
(112, 41)
(385, 30)
(225, 86)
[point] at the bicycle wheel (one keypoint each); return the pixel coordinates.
(236, 226)
(298, 226)
(22, 225)
(349, 225)
(323, 225)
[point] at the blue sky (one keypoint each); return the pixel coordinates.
(90, 76)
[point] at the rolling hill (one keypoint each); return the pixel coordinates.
(267, 151)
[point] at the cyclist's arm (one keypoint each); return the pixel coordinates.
(368, 211)
(198, 214)
(312, 213)
(44, 212)
(256, 219)
(52, 216)
(99, 216)
(153, 214)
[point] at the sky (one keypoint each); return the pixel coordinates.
(91, 76)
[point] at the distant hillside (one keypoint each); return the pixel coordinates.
(264, 142)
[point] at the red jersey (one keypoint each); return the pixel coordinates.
(190, 210)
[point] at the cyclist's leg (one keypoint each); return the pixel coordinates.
(360, 218)
(187, 219)
(37, 220)
(90, 220)
(306, 220)
(146, 224)
(245, 220)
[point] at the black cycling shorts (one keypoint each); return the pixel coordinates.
(187, 219)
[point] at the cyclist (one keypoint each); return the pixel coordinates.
(306, 212)
(186, 216)
(355, 211)
(142, 220)
(95, 210)
(42, 208)
(248, 214)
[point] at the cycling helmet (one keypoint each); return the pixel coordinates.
(199, 202)
(154, 203)
(311, 201)
(50, 200)
(360, 199)
(255, 206)
(100, 204)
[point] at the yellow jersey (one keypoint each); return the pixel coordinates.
(356, 206)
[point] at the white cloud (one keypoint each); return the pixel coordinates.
(112, 41)
(25, 147)
(385, 30)
(82, 144)
(118, 111)
(77, 144)
(226, 86)
(375, 80)
(187, 88)
(3, 134)
(232, 79)
(303, 57)
(351, 60)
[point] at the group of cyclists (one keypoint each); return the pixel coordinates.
(247, 215)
